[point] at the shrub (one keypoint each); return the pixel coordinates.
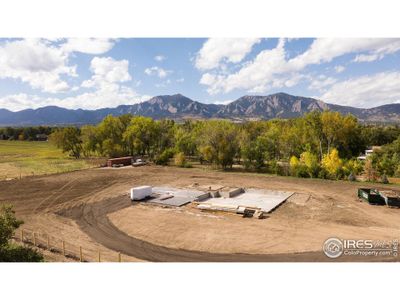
(10, 252)
(352, 166)
(293, 163)
(180, 160)
(164, 157)
(310, 161)
(306, 167)
(17, 253)
(384, 179)
(323, 174)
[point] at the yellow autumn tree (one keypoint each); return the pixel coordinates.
(310, 160)
(294, 161)
(332, 163)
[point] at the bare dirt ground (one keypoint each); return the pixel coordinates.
(91, 208)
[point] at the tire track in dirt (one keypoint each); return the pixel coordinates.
(92, 219)
(83, 203)
(60, 192)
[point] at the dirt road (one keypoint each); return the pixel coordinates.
(84, 202)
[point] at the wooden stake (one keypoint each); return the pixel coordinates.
(99, 257)
(119, 257)
(34, 238)
(63, 248)
(80, 254)
(22, 235)
(48, 242)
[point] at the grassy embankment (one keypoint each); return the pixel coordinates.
(20, 158)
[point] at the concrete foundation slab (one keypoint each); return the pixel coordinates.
(263, 200)
(174, 197)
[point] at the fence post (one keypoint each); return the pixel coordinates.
(48, 242)
(22, 235)
(80, 254)
(99, 257)
(119, 256)
(63, 248)
(34, 238)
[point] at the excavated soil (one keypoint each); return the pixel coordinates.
(92, 208)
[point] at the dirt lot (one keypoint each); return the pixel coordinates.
(91, 208)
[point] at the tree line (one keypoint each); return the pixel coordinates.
(32, 133)
(318, 144)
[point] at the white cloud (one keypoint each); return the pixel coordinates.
(339, 69)
(321, 83)
(107, 71)
(160, 72)
(159, 57)
(180, 80)
(163, 84)
(379, 52)
(19, 101)
(40, 63)
(37, 63)
(270, 68)
(223, 102)
(88, 45)
(366, 91)
(366, 57)
(108, 74)
(91, 100)
(216, 50)
(257, 76)
(326, 49)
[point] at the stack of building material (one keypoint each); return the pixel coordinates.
(235, 192)
(258, 214)
(203, 197)
(141, 192)
(216, 207)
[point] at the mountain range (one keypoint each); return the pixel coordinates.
(179, 107)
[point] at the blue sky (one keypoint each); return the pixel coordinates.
(94, 73)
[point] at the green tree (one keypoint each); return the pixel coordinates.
(10, 252)
(185, 141)
(110, 136)
(221, 138)
(90, 140)
(254, 152)
(69, 140)
(140, 135)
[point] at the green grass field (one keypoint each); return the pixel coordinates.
(20, 158)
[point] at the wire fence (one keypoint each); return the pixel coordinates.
(69, 250)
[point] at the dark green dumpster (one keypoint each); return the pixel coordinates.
(372, 196)
(392, 198)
